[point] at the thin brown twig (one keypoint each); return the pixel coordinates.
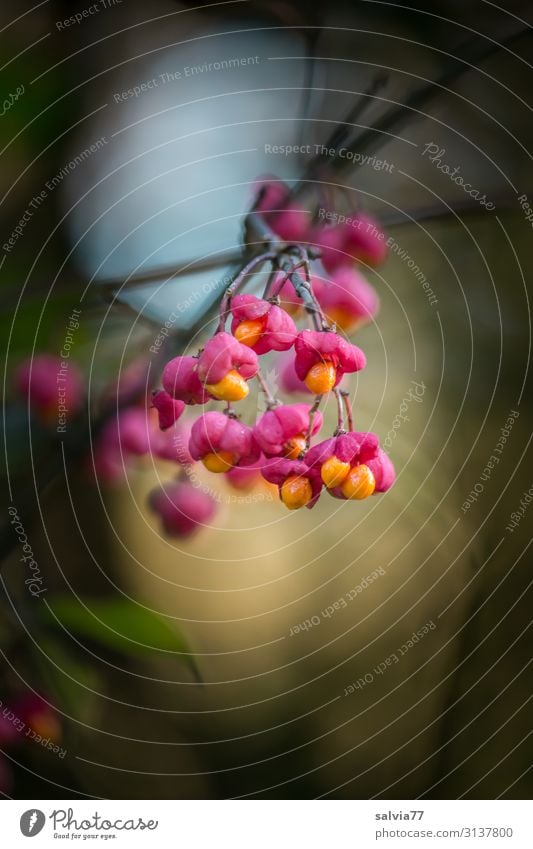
(465, 60)
(312, 413)
(271, 290)
(238, 281)
(340, 413)
(166, 272)
(347, 406)
(305, 292)
(267, 392)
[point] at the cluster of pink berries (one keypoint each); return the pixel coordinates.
(346, 297)
(349, 465)
(278, 447)
(131, 433)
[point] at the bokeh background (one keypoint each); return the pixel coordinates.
(207, 694)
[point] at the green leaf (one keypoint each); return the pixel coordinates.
(119, 624)
(76, 685)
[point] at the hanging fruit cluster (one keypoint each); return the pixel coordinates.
(313, 273)
(348, 465)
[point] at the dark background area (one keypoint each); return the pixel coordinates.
(171, 183)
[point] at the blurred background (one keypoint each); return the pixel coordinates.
(131, 137)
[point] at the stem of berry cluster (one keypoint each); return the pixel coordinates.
(305, 255)
(271, 292)
(346, 398)
(274, 286)
(304, 291)
(239, 280)
(229, 411)
(312, 414)
(265, 388)
(340, 413)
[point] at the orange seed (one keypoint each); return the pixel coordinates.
(294, 447)
(249, 332)
(232, 387)
(321, 378)
(221, 461)
(360, 483)
(334, 472)
(296, 492)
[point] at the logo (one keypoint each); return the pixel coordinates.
(32, 822)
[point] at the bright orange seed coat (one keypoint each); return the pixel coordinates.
(296, 492)
(249, 332)
(342, 318)
(360, 483)
(321, 378)
(232, 387)
(222, 461)
(334, 472)
(294, 447)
